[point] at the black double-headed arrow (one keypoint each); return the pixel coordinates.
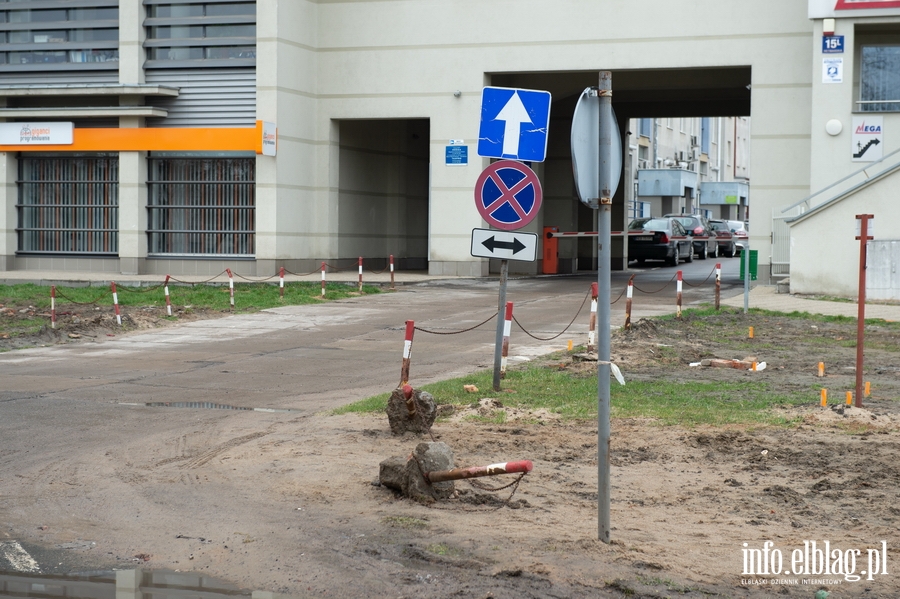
(492, 244)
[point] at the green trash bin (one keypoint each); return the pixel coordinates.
(753, 264)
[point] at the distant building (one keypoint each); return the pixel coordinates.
(183, 136)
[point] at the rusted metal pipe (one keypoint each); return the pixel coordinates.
(522, 466)
(410, 400)
(864, 238)
(718, 285)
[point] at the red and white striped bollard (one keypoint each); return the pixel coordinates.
(437, 476)
(323, 279)
(116, 303)
(407, 352)
(592, 326)
(718, 284)
(281, 283)
(629, 293)
(504, 349)
(168, 300)
(392, 273)
(52, 306)
(230, 287)
(678, 296)
(359, 287)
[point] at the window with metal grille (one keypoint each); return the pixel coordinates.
(68, 205)
(200, 33)
(202, 207)
(59, 35)
(879, 79)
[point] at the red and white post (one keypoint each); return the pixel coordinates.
(116, 303)
(507, 328)
(168, 300)
(52, 306)
(281, 283)
(718, 284)
(629, 293)
(230, 287)
(407, 352)
(678, 284)
(323, 279)
(392, 272)
(359, 287)
(520, 467)
(592, 326)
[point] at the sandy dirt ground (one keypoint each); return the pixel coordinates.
(290, 503)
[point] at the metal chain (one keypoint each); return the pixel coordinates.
(663, 288)
(62, 295)
(624, 289)
(561, 332)
(128, 289)
(254, 280)
(704, 280)
(492, 316)
(199, 282)
(306, 274)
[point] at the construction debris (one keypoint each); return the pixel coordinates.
(749, 363)
(410, 410)
(407, 475)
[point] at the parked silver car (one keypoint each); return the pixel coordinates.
(741, 231)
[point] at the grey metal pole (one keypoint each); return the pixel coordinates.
(604, 255)
(746, 251)
(501, 307)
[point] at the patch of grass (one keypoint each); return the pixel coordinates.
(573, 397)
(443, 549)
(404, 522)
(247, 296)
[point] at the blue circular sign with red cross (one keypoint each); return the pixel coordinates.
(508, 195)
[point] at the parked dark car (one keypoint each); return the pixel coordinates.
(740, 230)
(659, 239)
(705, 242)
(725, 237)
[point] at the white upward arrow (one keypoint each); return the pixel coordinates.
(514, 114)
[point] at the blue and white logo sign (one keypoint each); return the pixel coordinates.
(514, 124)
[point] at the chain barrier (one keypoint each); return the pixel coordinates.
(624, 289)
(70, 300)
(240, 276)
(484, 322)
(306, 274)
(583, 302)
(129, 289)
(712, 272)
(199, 282)
(663, 288)
(478, 485)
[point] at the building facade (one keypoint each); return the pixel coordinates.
(156, 149)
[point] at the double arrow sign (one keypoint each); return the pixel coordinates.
(505, 245)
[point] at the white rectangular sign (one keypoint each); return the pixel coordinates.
(269, 138)
(35, 134)
(868, 138)
(833, 69)
(505, 245)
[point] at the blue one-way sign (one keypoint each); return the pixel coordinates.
(514, 124)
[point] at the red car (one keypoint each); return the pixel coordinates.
(725, 237)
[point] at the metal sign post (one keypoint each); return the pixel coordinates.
(501, 306)
(604, 227)
(864, 237)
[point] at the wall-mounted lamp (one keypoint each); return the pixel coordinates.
(833, 127)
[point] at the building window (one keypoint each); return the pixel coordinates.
(68, 205)
(202, 207)
(645, 127)
(704, 135)
(879, 78)
(55, 35)
(200, 33)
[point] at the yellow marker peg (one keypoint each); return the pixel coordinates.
(570, 345)
(849, 398)
(751, 332)
(824, 397)
(821, 368)
(868, 388)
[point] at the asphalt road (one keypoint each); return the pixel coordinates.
(58, 401)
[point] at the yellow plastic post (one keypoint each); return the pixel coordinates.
(824, 397)
(868, 388)
(821, 368)
(751, 332)
(849, 397)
